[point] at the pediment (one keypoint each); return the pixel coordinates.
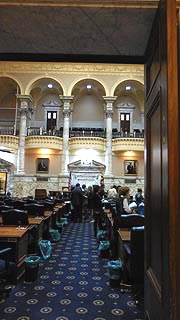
(92, 164)
(5, 164)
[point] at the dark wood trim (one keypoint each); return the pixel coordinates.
(31, 57)
(173, 155)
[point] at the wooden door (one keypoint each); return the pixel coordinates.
(125, 122)
(162, 210)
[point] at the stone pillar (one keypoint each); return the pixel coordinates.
(67, 100)
(142, 120)
(25, 110)
(109, 112)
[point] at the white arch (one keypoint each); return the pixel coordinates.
(32, 81)
(86, 78)
(123, 80)
(17, 81)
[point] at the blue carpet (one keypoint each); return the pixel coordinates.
(72, 285)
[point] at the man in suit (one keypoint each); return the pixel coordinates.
(77, 201)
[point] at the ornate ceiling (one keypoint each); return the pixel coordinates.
(62, 29)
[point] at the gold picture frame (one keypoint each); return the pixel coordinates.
(130, 167)
(42, 165)
(3, 182)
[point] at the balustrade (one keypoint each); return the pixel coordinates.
(75, 132)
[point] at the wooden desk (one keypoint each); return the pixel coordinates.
(51, 215)
(39, 222)
(124, 236)
(35, 220)
(12, 232)
(17, 239)
(60, 209)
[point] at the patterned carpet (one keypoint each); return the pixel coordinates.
(72, 285)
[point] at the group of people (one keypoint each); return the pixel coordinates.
(87, 203)
(125, 203)
(81, 201)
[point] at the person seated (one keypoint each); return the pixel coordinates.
(140, 204)
(122, 203)
(139, 193)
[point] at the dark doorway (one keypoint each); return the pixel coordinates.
(125, 122)
(51, 120)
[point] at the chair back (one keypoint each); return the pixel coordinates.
(19, 204)
(34, 209)
(15, 217)
(49, 205)
(5, 208)
(137, 254)
(131, 220)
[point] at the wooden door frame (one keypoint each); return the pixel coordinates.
(169, 294)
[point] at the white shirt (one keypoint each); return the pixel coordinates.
(112, 193)
(126, 206)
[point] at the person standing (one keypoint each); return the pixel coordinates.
(77, 201)
(97, 210)
(85, 202)
(112, 193)
(90, 202)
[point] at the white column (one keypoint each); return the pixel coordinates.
(142, 120)
(24, 109)
(109, 112)
(67, 100)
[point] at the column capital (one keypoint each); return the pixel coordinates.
(24, 103)
(66, 98)
(24, 97)
(109, 101)
(109, 114)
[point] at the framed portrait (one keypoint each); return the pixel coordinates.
(130, 167)
(3, 180)
(43, 165)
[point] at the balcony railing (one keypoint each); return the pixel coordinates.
(100, 133)
(116, 135)
(7, 131)
(41, 132)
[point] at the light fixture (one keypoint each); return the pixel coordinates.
(50, 85)
(89, 86)
(128, 88)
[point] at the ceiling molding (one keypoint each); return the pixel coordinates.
(82, 3)
(7, 68)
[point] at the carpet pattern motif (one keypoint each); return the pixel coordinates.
(73, 284)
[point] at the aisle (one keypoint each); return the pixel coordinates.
(72, 285)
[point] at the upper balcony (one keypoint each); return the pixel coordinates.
(9, 141)
(89, 137)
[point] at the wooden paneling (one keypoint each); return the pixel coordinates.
(162, 241)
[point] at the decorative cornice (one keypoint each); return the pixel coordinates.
(11, 142)
(8, 68)
(51, 142)
(125, 144)
(87, 142)
(82, 3)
